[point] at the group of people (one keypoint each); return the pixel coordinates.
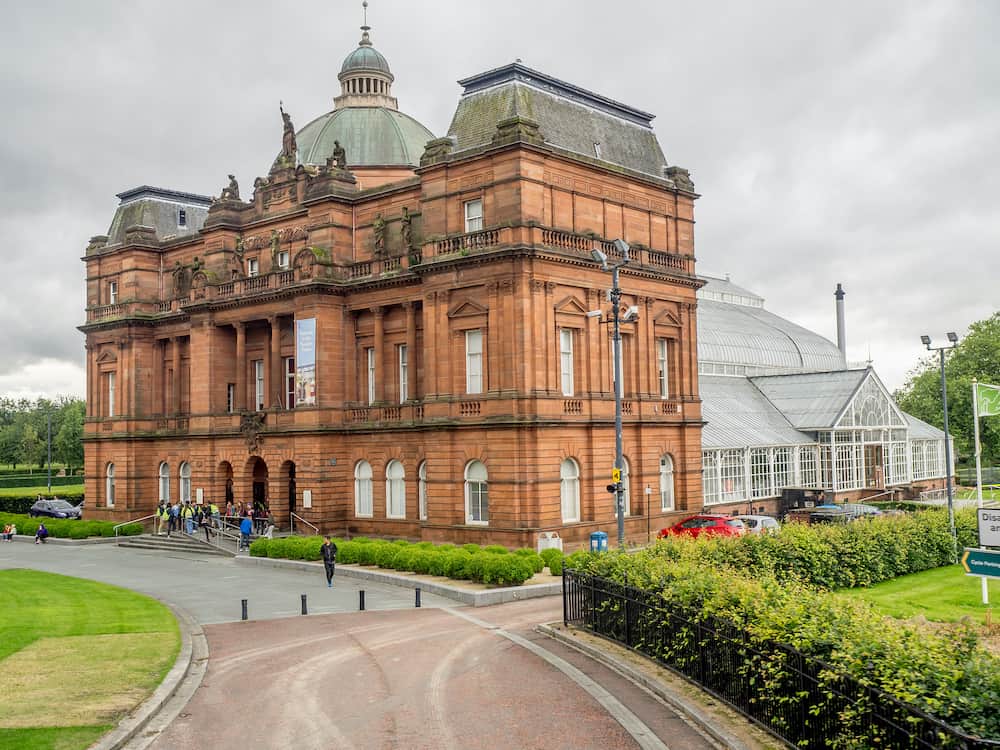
(188, 517)
(8, 533)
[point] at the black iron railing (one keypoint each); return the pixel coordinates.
(802, 700)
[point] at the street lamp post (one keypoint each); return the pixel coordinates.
(616, 296)
(952, 343)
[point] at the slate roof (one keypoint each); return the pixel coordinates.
(158, 208)
(737, 414)
(811, 400)
(568, 117)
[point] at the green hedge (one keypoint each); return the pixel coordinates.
(19, 502)
(766, 590)
(553, 559)
(493, 565)
(66, 528)
(34, 480)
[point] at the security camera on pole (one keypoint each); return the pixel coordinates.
(617, 487)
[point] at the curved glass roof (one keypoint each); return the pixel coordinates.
(755, 341)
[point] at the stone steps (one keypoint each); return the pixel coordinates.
(176, 542)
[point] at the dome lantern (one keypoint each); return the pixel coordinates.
(365, 77)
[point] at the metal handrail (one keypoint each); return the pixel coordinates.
(292, 523)
(134, 520)
(867, 499)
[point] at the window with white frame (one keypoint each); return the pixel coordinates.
(109, 486)
(760, 480)
(363, 490)
(230, 397)
(289, 366)
(627, 488)
(710, 477)
(395, 490)
(732, 474)
(569, 490)
(111, 394)
(404, 383)
(422, 490)
(474, 215)
(898, 463)
(283, 259)
(477, 502)
(185, 483)
(112, 292)
(666, 482)
(662, 373)
(473, 362)
(258, 384)
(253, 267)
(566, 360)
(370, 368)
(164, 482)
(808, 469)
(784, 468)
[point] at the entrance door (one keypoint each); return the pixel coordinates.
(874, 473)
(259, 495)
(291, 489)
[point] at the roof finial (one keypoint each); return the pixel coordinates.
(365, 40)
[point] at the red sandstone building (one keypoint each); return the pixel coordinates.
(390, 336)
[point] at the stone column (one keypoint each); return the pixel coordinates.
(241, 366)
(273, 367)
(175, 384)
(379, 313)
(411, 348)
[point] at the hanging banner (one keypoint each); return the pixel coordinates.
(988, 397)
(305, 362)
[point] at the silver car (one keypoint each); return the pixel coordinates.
(760, 524)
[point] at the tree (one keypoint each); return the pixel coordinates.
(10, 444)
(68, 442)
(976, 356)
(32, 447)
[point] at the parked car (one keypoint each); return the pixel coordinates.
(705, 524)
(760, 524)
(860, 510)
(56, 509)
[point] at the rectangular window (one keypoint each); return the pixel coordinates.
(289, 382)
(473, 362)
(732, 474)
(370, 357)
(111, 394)
(760, 479)
(258, 384)
(182, 218)
(710, 477)
(404, 386)
(230, 397)
(283, 259)
(783, 468)
(661, 368)
(112, 292)
(566, 360)
(252, 267)
(474, 215)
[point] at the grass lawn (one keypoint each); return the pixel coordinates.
(69, 491)
(76, 656)
(970, 493)
(941, 595)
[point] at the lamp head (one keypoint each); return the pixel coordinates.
(600, 257)
(953, 337)
(925, 340)
(622, 247)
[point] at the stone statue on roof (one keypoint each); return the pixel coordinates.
(232, 191)
(289, 147)
(339, 155)
(378, 233)
(406, 229)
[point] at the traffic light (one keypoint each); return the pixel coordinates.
(614, 488)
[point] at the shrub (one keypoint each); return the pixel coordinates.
(386, 554)
(403, 559)
(258, 547)
(349, 552)
(368, 553)
(438, 563)
(496, 549)
(456, 564)
(537, 563)
(503, 570)
(423, 559)
(553, 559)
(471, 548)
(66, 528)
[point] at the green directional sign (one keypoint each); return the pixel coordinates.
(981, 562)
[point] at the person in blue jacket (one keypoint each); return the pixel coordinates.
(246, 526)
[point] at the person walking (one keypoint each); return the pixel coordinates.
(329, 552)
(174, 517)
(165, 519)
(246, 526)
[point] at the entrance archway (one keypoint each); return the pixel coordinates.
(257, 471)
(223, 492)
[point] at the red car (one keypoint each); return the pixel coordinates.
(705, 525)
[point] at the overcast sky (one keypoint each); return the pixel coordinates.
(853, 142)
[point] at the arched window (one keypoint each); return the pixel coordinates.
(363, 489)
(666, 482)
(109, 486)
(627, 494)
(477, 503)
(422, 490)
(395, 490)
(164, 482)
(569, 490)
(185, 485)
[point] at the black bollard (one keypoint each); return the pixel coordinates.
(361, 600)
(244, 603)
(304, 610)
(417, 603)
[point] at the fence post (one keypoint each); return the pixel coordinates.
(243, 602)
(565, 603)
(361, 600)
(417, 602)
(627, 610)
(304, 610)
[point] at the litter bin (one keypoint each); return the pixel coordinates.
(598, 541)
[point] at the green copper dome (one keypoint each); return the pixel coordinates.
(365, 58)
(371, 136)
